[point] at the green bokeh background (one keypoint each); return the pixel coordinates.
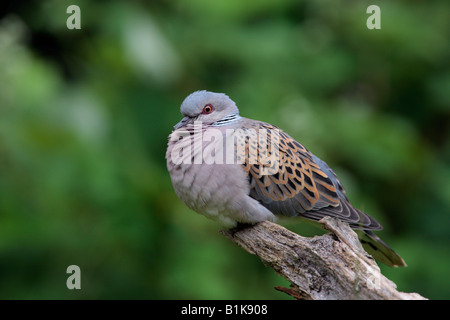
(85, 115)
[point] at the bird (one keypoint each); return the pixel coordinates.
(239, 171)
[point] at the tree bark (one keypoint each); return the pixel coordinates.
(331, 266)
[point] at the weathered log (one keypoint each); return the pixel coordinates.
(330, 266)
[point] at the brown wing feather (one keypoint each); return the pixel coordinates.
(299, 183)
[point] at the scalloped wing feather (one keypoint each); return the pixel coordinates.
(299, 183)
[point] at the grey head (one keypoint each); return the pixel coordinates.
(208, 107)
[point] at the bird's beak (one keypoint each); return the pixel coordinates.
(182, 123)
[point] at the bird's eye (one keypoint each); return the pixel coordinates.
(207, 109)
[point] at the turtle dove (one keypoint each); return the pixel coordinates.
(237, 170)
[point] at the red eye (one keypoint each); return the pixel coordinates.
(207, 109)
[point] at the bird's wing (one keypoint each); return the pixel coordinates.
(299, 183)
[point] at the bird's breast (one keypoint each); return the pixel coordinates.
(203, 177)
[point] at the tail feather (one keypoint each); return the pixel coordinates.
(380, 250)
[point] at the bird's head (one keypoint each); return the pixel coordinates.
(207, 107)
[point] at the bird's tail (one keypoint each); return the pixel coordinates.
(379, 250)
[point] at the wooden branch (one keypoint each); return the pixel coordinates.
(331, 266)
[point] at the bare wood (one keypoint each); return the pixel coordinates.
(331, 266)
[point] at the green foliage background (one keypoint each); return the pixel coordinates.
(85, 115)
